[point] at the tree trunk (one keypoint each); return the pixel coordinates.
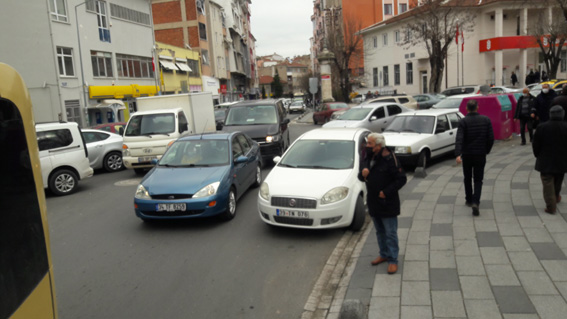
(437, 66)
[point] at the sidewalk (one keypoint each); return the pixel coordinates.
(510, 262)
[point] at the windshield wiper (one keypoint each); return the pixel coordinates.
(316, 167)
(156, 133)
(390, 130)
(287, 165)
(409, 130)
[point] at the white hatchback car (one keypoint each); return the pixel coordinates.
(418, 136)
(315, 184)
(375, 117)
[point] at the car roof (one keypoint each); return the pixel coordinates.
(255, 102)
(333, 133)
(372, 105)
(218, 135)
(462, 96)
(46, 125)
(430, 112)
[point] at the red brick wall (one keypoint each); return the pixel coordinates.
(170, 36)
(166, 12)
(193, 36)
(191, 10)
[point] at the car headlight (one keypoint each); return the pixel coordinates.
(265, 191)
(208, 190)
(335, 195)
(402, 150)
(272, 138)
(142, 193)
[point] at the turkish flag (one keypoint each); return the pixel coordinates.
(457, 35)
(462, 41)
(153, 65)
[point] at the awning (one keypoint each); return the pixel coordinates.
(119, 105)
(168, 65)
(184, 67)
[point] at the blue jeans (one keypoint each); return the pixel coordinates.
(387, 235)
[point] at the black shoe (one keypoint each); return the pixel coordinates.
(523, 143)
(468, 204)
(475, 210)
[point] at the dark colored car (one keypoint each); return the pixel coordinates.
(324, 111)
(264, 121)
(117, 127)
(426, 101)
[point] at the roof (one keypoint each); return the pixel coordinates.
(430, 112)
(333, 133)
(266, 79)
(255, 102)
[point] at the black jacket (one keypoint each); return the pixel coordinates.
(531, 103)
(550, 147)
(386, 175)
(561, 100)
(543, 104)
(474, 136)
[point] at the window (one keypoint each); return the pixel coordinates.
(408, 35)
(130, 66)
(403, 7)
(127, 14)
(73, 110)
(387, 9)
(409, 73)
(379, 113)
(202, 31)
(182, 122)
(236, 149)
(205, 56)
(563, 61)
(58, 10)
(48, 140)
(403, 100)
(375, 41)
(360, 71)
(386, 80)
(200, 7)
(397, 36)
(385, 39)
(394, 109)
(244, 143)
(101, 63)
(442, 123)
(397, 74)
(65, 61)
(375, 77)
(454, 119)
(194, 66)
(102, 20)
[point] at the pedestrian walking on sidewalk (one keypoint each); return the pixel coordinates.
(524, 111)
(384, 176)
(561, 100)
(550, 149)
(543, 103)
(475, 138)
(514, 79)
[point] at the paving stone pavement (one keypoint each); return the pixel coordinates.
(509, 262)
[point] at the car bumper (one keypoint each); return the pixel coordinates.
(320, 217)
(270, 150)
(86, 173)
(131, 162)
(195, 207)
(408, 159)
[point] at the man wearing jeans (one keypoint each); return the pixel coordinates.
(384, 176)
(474, 141)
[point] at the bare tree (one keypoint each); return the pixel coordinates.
(434, 25)
(550, 37)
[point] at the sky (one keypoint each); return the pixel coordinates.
(282, 26)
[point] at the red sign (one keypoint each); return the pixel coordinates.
(506, 43)
(223, 88)
(325, 77)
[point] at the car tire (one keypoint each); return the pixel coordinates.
(113, 162)
(315, 120)
(258, 177)
(359, 215)
(423, 159)
(231, 205)
(139, 171)
(63, 182)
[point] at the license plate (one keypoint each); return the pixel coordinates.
(146, 159)
(292, 213)
(171, 207)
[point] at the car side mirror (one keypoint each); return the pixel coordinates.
(439, 129)
(277, 159)
(373, 118)
(121, 131)
(241, 159)
(154, 161)
(285, 121)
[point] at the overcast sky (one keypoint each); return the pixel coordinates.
(282, 26)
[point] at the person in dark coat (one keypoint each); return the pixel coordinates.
(536, 77)
(544, 76)
(561, 100)
(550, 150)
(474, 141)
(524, 111)
(514, 79)
(384, 176)
(543, 103)
(530, 78)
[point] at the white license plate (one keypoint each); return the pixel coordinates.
(146, 159)
(171, 207)
(292, 213)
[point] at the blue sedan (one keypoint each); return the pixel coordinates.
(200, 176)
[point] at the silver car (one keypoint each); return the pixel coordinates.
(105, 149)
(375, 117)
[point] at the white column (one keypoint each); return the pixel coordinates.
(498, 55)
(523, 52)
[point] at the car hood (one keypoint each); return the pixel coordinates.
(182, 180)
(254, 131)
(285, 181)
(403, 139)
(342, 123)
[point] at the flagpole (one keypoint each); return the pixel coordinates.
(457, 41)
(463, 56)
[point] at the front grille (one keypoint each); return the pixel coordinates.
(293, 221)
(299, 202)
(174, 213)
(172, 196)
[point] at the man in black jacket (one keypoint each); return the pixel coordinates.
(475, 138)
(543, 103)
(561, 100)
(550, 150)
(384, 176)
(524, 111)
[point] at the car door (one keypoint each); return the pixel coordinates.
(249, 170)
(443, 140)
(95, 148)
(454, 119)
(376, 120)
(239, 170)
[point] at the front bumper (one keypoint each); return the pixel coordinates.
(131, 162)
(270, 150)
(195, 207)
(408, 159)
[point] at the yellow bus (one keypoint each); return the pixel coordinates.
(26, 272)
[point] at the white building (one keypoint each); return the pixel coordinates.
(498, 45)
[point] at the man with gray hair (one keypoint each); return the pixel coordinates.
(384, 177)
(550, 149)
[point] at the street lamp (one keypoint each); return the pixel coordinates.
(81, 62)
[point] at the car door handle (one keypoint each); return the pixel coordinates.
(451, 133)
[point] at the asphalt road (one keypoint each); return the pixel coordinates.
(108, 264)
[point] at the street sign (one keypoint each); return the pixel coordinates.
(313, 83)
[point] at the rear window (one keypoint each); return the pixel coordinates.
(48, 140)
(336, 106)
(403, 100)
(448, 104)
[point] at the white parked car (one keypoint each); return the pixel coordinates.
(375, 117)
(315, 184)
(419, 136)
(297, 106)
(105, 149)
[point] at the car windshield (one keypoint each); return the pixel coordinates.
(336, 106)
(320, 154)
(147, 124)
(251, 115)
(196, 153)
(355, 114)
(448, 104)
(414, 124)
(297, 103)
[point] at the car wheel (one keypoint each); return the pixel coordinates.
(63, 182)
(258, 179)
(359, 215)
(113, 162)
(231, 205)
(139, 171)
(315, 120)
(423, 159)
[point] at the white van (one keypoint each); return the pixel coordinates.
(63, 156)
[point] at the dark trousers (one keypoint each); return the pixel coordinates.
(551, 189)
(473, 169)
(526, 122)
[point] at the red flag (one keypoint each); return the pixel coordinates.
(153, 65)
(457, 35)
(462, 41)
